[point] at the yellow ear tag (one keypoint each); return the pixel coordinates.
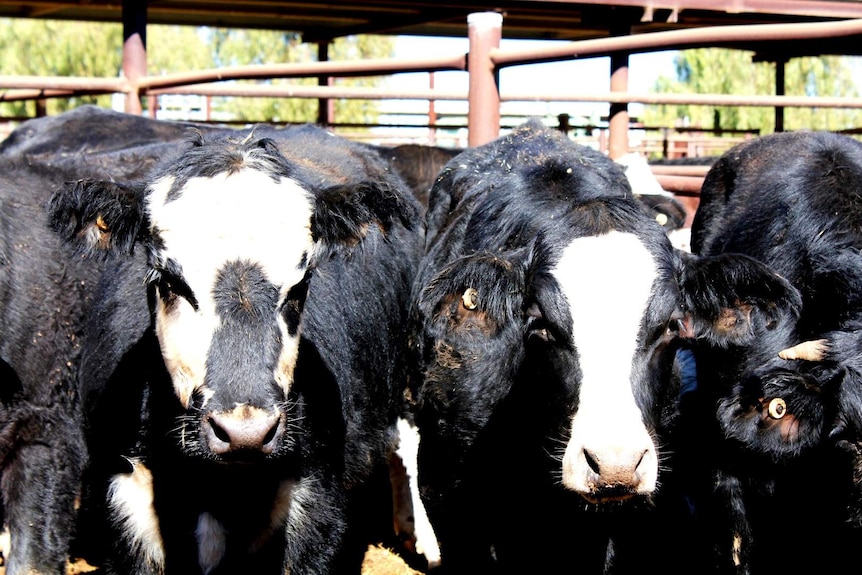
(470, 298)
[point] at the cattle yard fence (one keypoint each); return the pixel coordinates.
(483, 97)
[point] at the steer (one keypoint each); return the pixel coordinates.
(548, 310)
(44, 298)
(420, 165)
(96, 142)
(243, 370)
(780, 417)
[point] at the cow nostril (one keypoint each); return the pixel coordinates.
(592, 462)
(218, 431)
(243, 429)
(270, 435)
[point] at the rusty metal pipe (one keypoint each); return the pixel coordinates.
(333, 68)
(359, 92)
(69, 83)
(687, 185)
(671, 170)
(484, 30)
(677, 40)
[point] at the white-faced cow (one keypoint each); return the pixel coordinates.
(549, 307)
(245, 366)
(778, 418)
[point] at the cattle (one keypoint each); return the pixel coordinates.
(99, 142)
(243, 367)
(548, 310)
(420, 166)
(777, 419)
(45, 298)
(666, 209)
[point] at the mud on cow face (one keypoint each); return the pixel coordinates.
(229, 260)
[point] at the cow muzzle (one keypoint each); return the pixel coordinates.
(602, 472)
(243, 431)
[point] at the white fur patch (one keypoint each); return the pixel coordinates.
(640, 176)
(246, 216)
(130, 499)
(5, 546)
(408, 448)
(298, 501)
(607, 281)
(210, 536)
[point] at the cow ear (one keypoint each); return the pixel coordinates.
(474, 293)
(343, 213)
(97, 216)
(722, 294)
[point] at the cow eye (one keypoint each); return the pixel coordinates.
(541, 333)
(293, 304)
(537, 326)
(172, 286)
(676, 326)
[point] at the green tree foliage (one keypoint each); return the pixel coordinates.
(58, 48)
(96, 51)
(242, 47)
(723, 71)
(172, 49)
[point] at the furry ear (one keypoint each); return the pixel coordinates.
(344, 213)
(97, 216)
(721, 292)
(475, 291)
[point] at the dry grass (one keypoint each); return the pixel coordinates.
(380, 561)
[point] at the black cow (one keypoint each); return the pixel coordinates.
(98, 142)
(244, 366)
(549, 307)
(420, 166)
(779, 423)
(44, 297)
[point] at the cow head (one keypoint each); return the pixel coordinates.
(573, 335)
(234, 232)
(582, 328)
(744, 317)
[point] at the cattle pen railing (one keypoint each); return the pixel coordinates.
(482, 63)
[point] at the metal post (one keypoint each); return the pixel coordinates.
(432, 114)
(779, 91)
(134, 49)
(483, 97)
(325, 106)
(618, 118)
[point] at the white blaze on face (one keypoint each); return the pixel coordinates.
(607, 281)
(246, 216)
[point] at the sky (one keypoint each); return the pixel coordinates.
(588, 74)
